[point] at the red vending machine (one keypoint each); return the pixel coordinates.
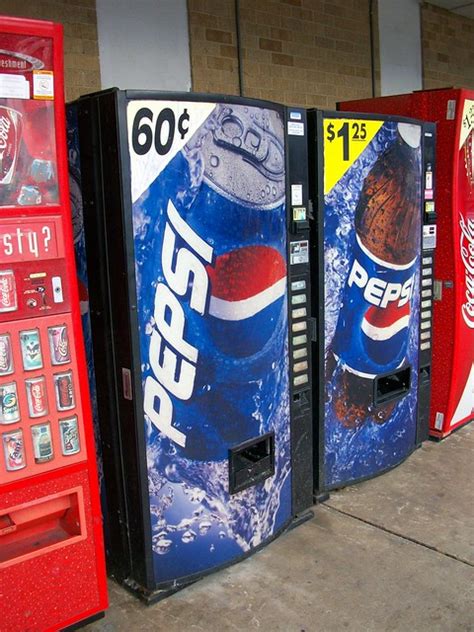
(452, 200)
(52, 570)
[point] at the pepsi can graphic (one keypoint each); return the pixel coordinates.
(210, 247)
(6, 355)
(9, 404)
(59, 345)
(31, 353)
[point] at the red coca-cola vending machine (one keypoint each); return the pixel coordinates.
(52, 570)
(452, 200)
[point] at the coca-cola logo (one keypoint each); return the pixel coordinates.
(62, 346)
(37, 397)
(9, 141)
(5, 293)
(19, 62)
(467, 257)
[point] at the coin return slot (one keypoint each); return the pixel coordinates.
(251, 462)
(393, 386)
(42, 526)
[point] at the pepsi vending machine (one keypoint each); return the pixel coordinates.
(198, 256)
(372, 377)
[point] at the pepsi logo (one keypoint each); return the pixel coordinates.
(248, 286)
(384, 331)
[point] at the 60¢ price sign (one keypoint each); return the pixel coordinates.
(158, 132)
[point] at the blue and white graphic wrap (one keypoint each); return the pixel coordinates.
(209, 223)
(371, 327)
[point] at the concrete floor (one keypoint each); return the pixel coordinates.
(392, 554)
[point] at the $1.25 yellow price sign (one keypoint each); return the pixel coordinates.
(344, 141)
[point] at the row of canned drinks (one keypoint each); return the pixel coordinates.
(37, 397)
(14, 446)
(31, 352)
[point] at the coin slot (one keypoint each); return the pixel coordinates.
(392, 386)
(251, 462)
(425, 375)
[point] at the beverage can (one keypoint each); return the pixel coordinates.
(37, 396)
(42, 442)
(64, 390)
(9, 405)
(59, 344)
(31, 349)
(14, 450)
(10, 136)
(69, 432)
(8, 299)
(6, 354)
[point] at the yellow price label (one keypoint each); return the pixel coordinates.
(344, 141)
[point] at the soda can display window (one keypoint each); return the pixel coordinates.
(42, 442)
(31, 350)
(8, 299)
(9, 404)
(14, 450)
(6, 355)
(69, 432)
(64, 391)
(59, 345)
(37, 396)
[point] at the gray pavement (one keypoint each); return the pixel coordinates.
(392, 554)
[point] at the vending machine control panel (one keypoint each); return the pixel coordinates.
(299, 299)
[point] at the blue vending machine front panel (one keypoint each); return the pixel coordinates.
(372, 231)
(210, 248)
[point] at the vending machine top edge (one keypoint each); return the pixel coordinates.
(49, 499)
(452, 109)
(368, 276)
(195, 214)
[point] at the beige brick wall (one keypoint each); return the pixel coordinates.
(448, 48)
(300, 52)
(81, 52)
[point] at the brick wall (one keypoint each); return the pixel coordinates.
(300, 52)
(81, 62)
(448, 48)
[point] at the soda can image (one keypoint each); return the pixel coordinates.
(14, 450)
(8, 300)
(9, 405)
(37, 396)
(59, 345)
(64, 390)
(42, 442)
(69, 432)
(10, 136)
(31, 350)
(6, 354)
